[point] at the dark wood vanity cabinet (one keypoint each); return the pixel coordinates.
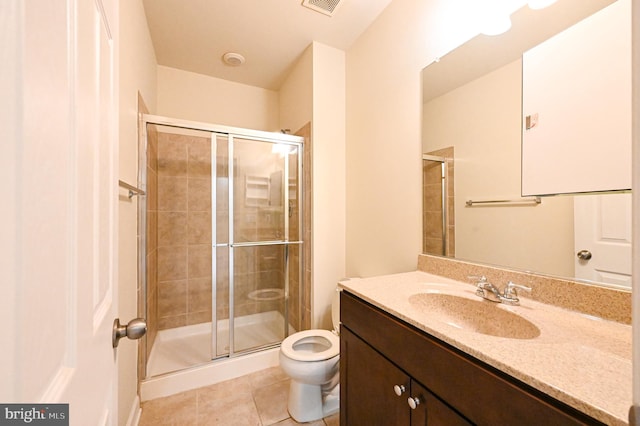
(381, 355)
(376, 392)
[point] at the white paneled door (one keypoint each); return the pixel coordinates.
(603, 238)
(59, 191)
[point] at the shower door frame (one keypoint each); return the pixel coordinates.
(230, 132)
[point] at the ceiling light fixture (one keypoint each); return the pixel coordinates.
(494, 16)
(233, 59)
(540, 4)
(496, 25)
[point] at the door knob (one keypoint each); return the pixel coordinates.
(584, 255)
(135, 329)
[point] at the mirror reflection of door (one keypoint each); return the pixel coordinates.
(602, 227)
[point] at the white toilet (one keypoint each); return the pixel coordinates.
(311, 359)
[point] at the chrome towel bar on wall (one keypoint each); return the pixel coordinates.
(534, 201)
(132, 189)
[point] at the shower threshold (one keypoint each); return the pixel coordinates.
(184, 347)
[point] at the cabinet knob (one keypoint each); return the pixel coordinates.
(399, 389)
(413, 402)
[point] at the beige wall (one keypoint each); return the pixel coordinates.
(329, 178)
(383, 163)
(474, 119)
(296, 94)
(190, 96)
(315, 92)
(137, 74)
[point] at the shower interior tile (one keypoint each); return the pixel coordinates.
(172, 263)
(172, 155)
(199, 261)
(199, 297)
(172, 298)
(199, 157)
(152, 150)
(172, 229)
(172, 193)
(199, 228)
(152, 190)
(172, 322)
(152, 231)
(435, 219)
(199, 194)
(198, 317)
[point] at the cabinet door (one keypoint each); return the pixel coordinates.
(577, 107)
(432, 411)
(367, 381)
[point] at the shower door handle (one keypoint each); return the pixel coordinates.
(135, 329)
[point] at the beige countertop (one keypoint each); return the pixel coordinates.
(578, 359)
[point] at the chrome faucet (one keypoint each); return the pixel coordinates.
(488, 291)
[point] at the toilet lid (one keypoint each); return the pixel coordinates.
(311, 345)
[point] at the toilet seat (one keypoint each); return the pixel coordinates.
(311, 337)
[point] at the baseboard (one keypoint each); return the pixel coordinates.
(135, 413)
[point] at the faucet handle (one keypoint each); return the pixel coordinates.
(511, 290)
(477, 279)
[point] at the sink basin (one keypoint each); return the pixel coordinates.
(480, 316)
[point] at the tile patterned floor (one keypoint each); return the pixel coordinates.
(257, 399)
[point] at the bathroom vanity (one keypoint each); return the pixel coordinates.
(404, 361)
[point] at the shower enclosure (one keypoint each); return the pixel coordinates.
(221, 264)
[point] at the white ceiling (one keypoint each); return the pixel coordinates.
(193, 35)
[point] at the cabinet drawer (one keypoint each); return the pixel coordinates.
(478, 391)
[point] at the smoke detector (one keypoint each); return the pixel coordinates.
(326, 7)
(233, 59)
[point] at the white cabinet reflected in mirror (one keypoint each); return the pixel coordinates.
(576, 105)
(474, 122)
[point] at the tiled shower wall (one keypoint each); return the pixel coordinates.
(184, 230)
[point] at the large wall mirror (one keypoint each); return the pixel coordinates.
(472, 128)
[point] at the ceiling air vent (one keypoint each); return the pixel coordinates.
(326, 7)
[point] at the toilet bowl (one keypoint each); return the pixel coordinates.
(311, 359)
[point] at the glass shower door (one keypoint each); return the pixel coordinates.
(263, 239)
